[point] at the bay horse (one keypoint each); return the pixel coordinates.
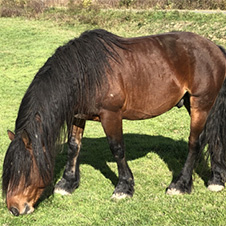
(103, 77)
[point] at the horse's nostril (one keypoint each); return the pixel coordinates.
(27, 209)
(14, 211)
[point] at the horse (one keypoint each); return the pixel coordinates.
(107, 78)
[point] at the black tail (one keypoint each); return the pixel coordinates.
(214, 134)
(223, 50)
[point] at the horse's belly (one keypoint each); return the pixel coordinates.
(152, 101)
(145, 112)
(134, 114)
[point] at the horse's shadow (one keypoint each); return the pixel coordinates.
(96, 153)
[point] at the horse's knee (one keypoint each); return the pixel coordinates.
(117, 148)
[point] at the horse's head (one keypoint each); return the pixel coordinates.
(22, 182)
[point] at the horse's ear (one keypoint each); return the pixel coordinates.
(25, 138)
(11, 135)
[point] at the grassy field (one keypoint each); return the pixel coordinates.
(156, 148)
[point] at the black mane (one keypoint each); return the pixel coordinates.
(65, 85)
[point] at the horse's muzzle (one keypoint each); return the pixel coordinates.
(26, 210)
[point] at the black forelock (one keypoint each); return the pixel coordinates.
(17, 163)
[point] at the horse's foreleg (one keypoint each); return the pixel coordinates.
(112, 124)
(183, 183)
(71, 177)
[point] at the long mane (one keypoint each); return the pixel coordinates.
(65, 85)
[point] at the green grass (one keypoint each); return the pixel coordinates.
(156, 148)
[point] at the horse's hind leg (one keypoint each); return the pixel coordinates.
(183, 183)
(112, 124)
(71, 177)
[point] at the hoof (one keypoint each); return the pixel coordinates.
(215, 187)
(119, 196)
(65, 187)
(173, 191)
(124, 189)
(61, 191)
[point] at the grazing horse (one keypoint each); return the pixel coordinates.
(103, 77)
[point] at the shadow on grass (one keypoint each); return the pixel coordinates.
(96, 153)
